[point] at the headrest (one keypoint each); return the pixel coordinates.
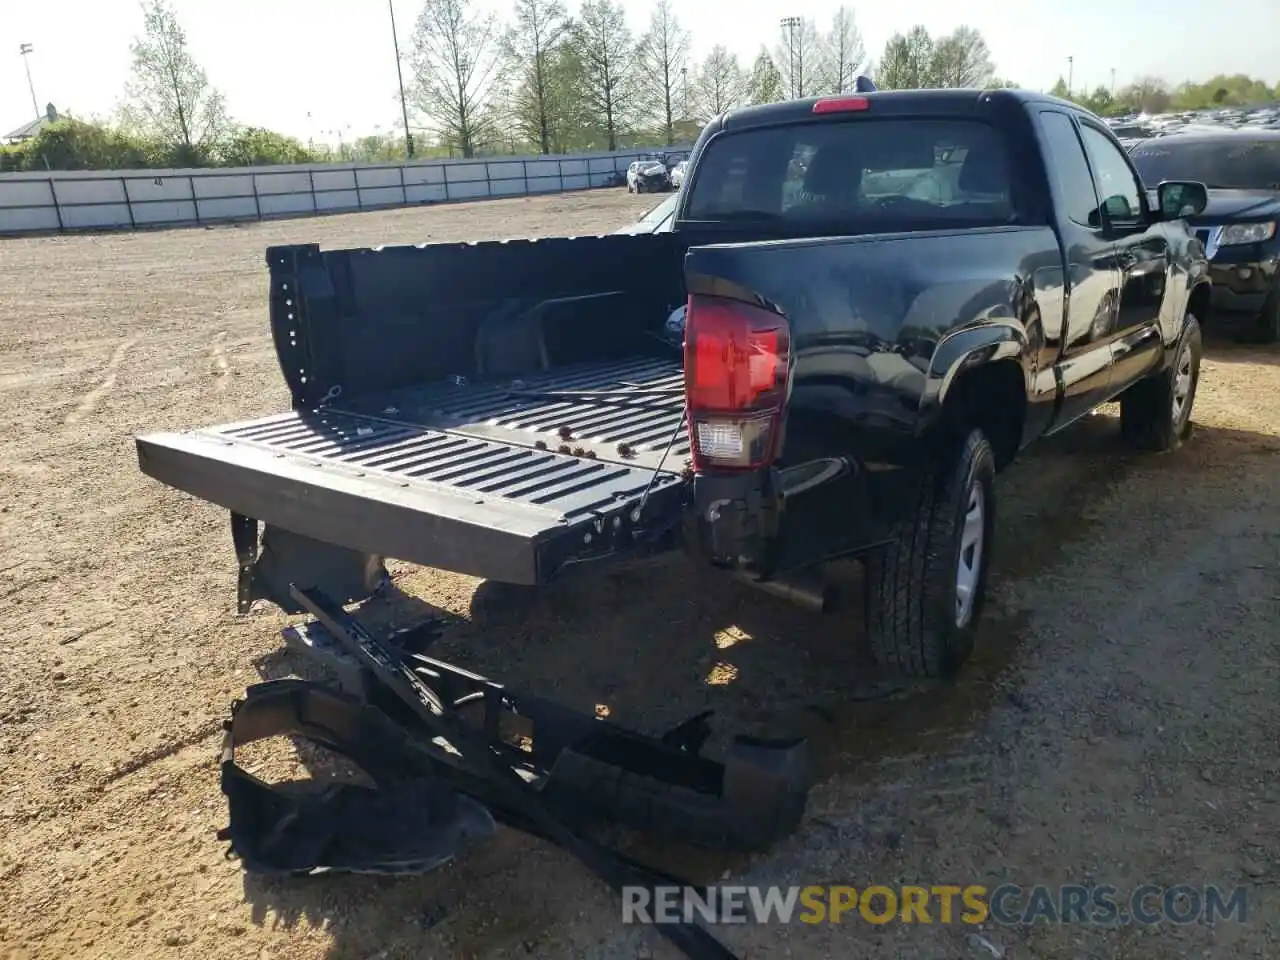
(985, 170)
(833, 172)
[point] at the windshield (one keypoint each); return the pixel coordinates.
(1230, 162)
(893, 173)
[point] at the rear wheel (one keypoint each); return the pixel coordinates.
(1155, 413)
(925, 593)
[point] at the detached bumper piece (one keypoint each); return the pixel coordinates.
(451, 754)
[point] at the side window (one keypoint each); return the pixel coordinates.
(1117, 187)
(1072, 180)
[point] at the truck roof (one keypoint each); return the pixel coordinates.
(901, 102)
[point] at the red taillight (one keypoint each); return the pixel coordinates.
(841, 104)
(736, 368)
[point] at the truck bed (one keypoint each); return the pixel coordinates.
(508, 480)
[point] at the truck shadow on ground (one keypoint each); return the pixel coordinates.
(1229, 341)
(657, 644)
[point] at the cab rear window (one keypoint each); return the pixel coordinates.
(897, 170)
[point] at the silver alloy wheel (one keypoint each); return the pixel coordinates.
(1181, 387)
(969, 567)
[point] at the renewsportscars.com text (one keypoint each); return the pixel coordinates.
(1008, 904)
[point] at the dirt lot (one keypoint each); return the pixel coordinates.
(1119, 725)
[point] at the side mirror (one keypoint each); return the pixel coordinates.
(1181, 198)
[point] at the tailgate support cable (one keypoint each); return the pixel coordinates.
(644, 498)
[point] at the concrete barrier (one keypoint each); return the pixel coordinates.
(70, 201)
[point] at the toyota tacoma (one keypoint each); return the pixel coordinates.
(866, 306)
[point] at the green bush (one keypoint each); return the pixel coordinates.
(76, 145)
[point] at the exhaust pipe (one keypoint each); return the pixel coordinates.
(815, 596)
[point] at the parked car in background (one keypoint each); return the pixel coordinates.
(655, 220)
(1239, 225)
(647, 176)
(677, 173)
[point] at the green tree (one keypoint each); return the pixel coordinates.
(1100, 101)
(602, 42)
(1236, 90)
(662, 55)
(1149, 94)
(255, 146)
(908, 61)
(571, 121)
(71, 144)
(531, 43)
(764, 83)
(169, 98)
(962, 59)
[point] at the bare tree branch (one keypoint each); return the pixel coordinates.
(799, 57)
(844, 53)
(720, 84)
(454, 59)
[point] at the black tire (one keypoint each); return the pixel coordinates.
(1149, 419)
(914, 625)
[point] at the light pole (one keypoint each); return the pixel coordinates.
(24, 50)
(1113, 83)
(684, 84)
(404, 108)
(789, 24)
(1071, 72)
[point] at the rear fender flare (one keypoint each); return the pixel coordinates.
(968, 348)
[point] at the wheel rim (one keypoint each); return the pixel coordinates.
(1182, 387)
(969, 567)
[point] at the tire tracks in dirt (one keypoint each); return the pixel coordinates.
(218, 361)
(89, 402)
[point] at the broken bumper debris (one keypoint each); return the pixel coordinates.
(450, 754)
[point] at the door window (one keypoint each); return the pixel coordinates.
(1072, 181)
(1118, 188)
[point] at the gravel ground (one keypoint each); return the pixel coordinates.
(1118, 726)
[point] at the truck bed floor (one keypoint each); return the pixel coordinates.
(594, 407)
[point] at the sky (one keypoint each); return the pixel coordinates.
(314, 68)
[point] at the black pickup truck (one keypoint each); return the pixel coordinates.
(867, 306)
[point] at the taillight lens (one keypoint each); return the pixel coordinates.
(736, 367)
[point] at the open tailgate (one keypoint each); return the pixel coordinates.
(477, 496)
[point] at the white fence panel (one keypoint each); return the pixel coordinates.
(126, 199)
